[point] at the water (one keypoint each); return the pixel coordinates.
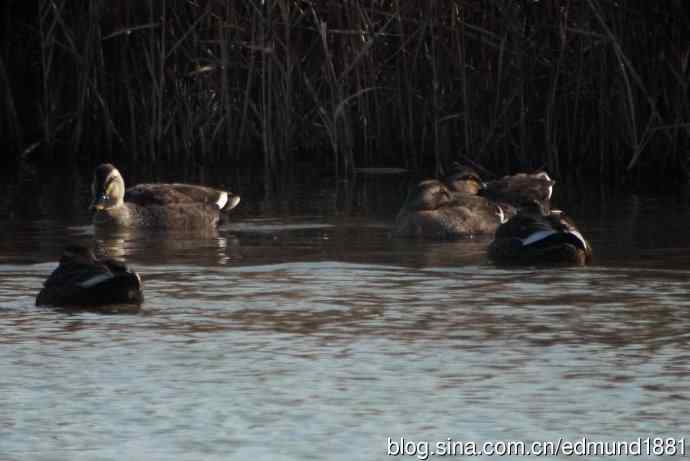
(302, 330)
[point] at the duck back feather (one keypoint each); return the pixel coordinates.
(83, 280)
(520, 189)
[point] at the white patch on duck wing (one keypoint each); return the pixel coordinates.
(222, 200)
(501, 215)
(541, 235)
(136, 274)
(96, 279)
(233, 203)
(537, 237)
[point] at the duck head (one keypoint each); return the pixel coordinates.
(464, 179)
(107, 188)
(428, 195)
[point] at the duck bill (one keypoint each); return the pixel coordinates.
(99, 203)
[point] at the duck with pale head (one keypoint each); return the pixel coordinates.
(159, 206)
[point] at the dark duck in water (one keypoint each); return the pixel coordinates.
(537, 236)
(82, 280)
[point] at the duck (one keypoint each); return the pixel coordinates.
(82, 280)
(161, 206)
(433, 210)
(537, 236)
(464, 179)
(462, 204)
(520, 189)
(516, 189)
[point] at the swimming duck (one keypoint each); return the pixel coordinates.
(179, 206)
(537, 236)
(431, 210)
(83, 280)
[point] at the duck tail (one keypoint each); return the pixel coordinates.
(227, 201)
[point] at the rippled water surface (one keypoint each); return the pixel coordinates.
(302, 330)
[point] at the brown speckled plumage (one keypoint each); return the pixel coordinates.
(520, 189)
(433, 211)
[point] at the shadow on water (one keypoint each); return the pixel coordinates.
(303, 319)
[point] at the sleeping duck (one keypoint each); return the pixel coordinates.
(83, 280)
(514, 189)
(162, 206)
(536, 236)
(520, 188)
(432, 210)
(464, 179)
(462, 204)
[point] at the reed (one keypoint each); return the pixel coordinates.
(592, 89)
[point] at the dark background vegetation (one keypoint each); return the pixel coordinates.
(595, 90)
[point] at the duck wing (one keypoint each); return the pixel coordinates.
(69, 280)
(523, 227)
(100, 283)
(176, 193)
(74, 274)
(542, 231)
(482, 206)
(155, 194)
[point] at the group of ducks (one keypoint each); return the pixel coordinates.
(515, 209)
(82, 279)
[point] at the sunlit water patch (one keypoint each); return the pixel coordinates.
(327, 357)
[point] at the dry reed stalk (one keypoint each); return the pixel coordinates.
(515, 85)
